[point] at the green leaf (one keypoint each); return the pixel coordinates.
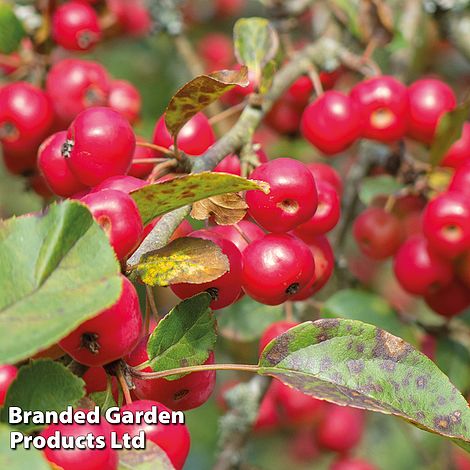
(267, 76)
(454, 360)
(373, 186)
(352, 363)
(57, 269)
(157, 199)
(449, 130)
(41, 386)
(19, 458)
(348, 11)
(185, 259)
(199, 93)
(105, 399)
(256, 44)
(246, 319)
(151, 458)
(11, 30)
(368, 307)
(184, 337)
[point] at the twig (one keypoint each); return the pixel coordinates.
(157, 148)
(152, 304)
(226, 113)
(123, 383)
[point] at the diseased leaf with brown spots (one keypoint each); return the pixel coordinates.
(352, 363)
(227, 209)
(185, 259)
(199, 93)
(157, 199)
(375, 21)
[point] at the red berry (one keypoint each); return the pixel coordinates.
(7, 376)
(324, 172)
(446, 224)
(300, 91)
(459, 153)
(119, 217)
(125, 99)
(273, 331)
(227, 8)
(292, 197)
(110, 335)
(429, 100)
(78, 459)
(141, 170)
(96, 380)
(383, 103)
(324, 265)
(302, 446)
(450, 300)
(216, 50)
(173, 439)
(268, 418)
(19, 164)
(231, 163)
(461, 180)
(246, 233)
(349, 463)
(227, 287)
(123, 183)
(284, 117)
(377, 232)
(326, 216)
(183, 229)
(332, 122)
(295, 407)
(26, 116)
(74, 85)
(100, 143)
(133, 16)
(341, 428)
(186, 393)
(75, 26)
(418, 269)
(54, 166)
(276, 267)
(194, 138)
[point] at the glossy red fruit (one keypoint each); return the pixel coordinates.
(141, 170)
(74, 85)
(54, 166)
(96, 380)
(110, 335)
(133, 16)
(341, 428)
(100, 143)
(186, 393)
(350, 463)
(173, 439)
(302, 446)
(419, 270)
(429, 100)
(276, 267)
(75, 26)
(324, 264)
(377, 232)
(227, 287)
(227, 8)
(332, 122)
(7, 376)
(297, 408)
(24, 165)
(123, 183)
(284, 117)
(446, 224)
(268, 418)
(240, 234)
(324, 172)
(273, 331)
(216, 50)
(326, 216)
(460, 459)
(125, 99)
(76, 458)
(26, 116)
(231, 163)
(460, 182)
(300, 91)
(459, 153)
(383, 103)
(292, 198)
(183, 229)
(450, 300)
(119, 217)
(194, 138)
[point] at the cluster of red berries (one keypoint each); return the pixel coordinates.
(76, 24)
(381, 109)
(294, 260)
(318, 426)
